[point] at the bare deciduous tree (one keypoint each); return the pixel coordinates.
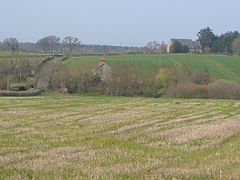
(47, 44)
(153, 47)
(70, 42)
(11, 44)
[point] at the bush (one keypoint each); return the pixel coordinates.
(224, 89)
(188, 90)
(164, 77)
(17, 70)
(220, 89)
(201, 77)
(149, 93)
(125, 80)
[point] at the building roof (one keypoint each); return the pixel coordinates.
(189, 43)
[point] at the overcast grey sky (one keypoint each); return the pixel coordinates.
(116, 22)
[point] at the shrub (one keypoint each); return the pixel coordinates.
(184, 76)
(201, 77)
(149, 93)
(79, 79)
(163, 78)
(125, 80)
(220, 89)
(188, 90)
(16, 70)
(224, 89)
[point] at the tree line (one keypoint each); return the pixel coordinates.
(48, 44)
(228, 42)
(69, 45)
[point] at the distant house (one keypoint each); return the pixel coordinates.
(194, 46)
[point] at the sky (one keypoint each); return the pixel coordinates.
(116, 22)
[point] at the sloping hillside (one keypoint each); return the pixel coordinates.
(219, 66)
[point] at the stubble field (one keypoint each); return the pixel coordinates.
(97, 137)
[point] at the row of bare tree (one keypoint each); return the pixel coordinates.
(154, 47)
(11, 44)
(47, 44)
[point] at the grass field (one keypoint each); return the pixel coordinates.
(97, 137)
(8, 54)
(219, 66)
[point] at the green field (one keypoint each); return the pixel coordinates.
(19, 54)
(98, 137)
(219, 66)
(4, 53)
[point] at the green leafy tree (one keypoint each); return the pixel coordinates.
(224, 43)
(179, 48)
(206, 38)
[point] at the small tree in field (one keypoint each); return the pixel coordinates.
(71, 43)
(47, 44)
(206, 38)
(11, 44)
(163, 77)
(153, 47)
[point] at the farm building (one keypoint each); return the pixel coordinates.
(194, 46)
